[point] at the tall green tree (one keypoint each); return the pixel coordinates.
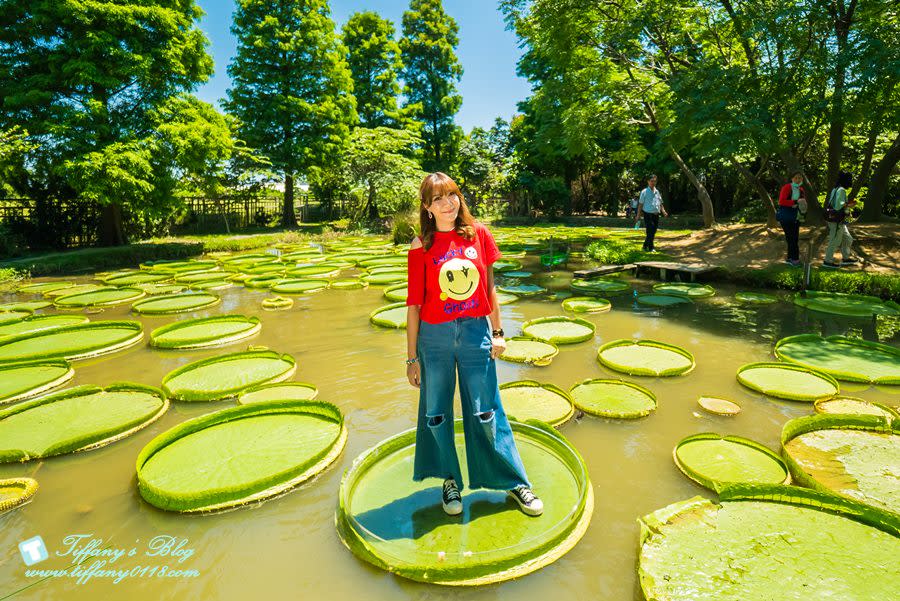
(84, 78)
(292, 88)
(430, 73)
(374, 59)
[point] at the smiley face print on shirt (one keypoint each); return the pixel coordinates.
(458, 279)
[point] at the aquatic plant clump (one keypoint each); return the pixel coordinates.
(645, 358)
(225, 376)
(491, 541)
(528, 399)
(613, 398)
(713, 460)
(788, 381)
(240, 455)
(559, 329)
(849, 359)
(76, 419)
(204, 331)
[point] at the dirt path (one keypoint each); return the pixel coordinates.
(755, 246)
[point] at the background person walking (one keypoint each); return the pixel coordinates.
(836, 217)
(650, 205)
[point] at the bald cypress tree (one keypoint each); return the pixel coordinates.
(374, 58)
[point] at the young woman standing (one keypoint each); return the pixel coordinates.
(453, 325)
(790, 198)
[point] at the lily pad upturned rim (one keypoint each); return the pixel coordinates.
(546, 386)
(83, 299)
(781, 393)
(277, 302)
(641, 371)
(68, 374)
(139, 307)
(614, 414)
(838, 374)
(818, 406)
(373, 316)
(703, 290)
(585, 286)
(284, 286)
(230, 392)
(254, 326)
(217, 502)
(28, 487)
(85, 352)
(560, 339)
(716, 485)
(541, 361)
(546, 554)
(77, 445)
(260, 387)
(603, 305)
(388, 293)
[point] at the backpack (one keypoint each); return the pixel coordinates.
(833, 215)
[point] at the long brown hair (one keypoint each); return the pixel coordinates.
(440, 184)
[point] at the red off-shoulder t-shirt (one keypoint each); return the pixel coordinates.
(449, 280)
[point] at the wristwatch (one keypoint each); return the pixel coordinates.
(497, 333)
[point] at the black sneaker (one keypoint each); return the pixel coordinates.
(451, 498)
(850, 261)
(831, 265)
(527, 500)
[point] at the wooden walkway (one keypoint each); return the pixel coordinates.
(665, 269)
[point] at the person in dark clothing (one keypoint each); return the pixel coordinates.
(791, 200)
(650, 205)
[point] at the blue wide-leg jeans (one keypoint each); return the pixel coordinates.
(464, 345)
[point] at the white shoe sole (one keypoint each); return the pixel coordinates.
(452, 509)
(525, 509)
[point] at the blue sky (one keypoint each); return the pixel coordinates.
(487, 52)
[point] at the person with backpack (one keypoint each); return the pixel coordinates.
(791, 202)
(836, 217)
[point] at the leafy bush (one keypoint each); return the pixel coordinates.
(404, 226)
(883, 285)
(616, 251)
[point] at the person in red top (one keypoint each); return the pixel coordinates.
(791, 200)
(451, 300)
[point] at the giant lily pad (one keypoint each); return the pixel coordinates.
(384, 278)
(755, 298)
(299, 286)
(100, 297)
(76, 419)
(135, 277)
(225, 376)
(844, 358)
(390, 316)
(491, 541)
(522, 289)
(8, 317)
(787, 381)
(613, 398)
(712, 460)
(396, 293)
(854, 406)
(72, 342)
(350, 284)
(277, 302)
(684, 289)
(645, 358)
(44, 287)
(204, 331)
(848, 305)
(527, 399)
(764, 542)
(175, 303)
(662, 300)
(522, 349)
(282, 391)
(854, 456)
(587, 304)
(559, 329)
(239, 455)
(598, 287)
(38, 323)
(23, 380)
(26, 306)
(16, 491)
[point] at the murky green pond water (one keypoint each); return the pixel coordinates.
(287, 547)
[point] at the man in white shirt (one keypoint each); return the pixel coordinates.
(650, 205)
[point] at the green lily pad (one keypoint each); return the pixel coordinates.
(853, 406)
(718, 406)
(174, 267)
(559, 329)
(516, 274)
(43, 287)
(787, 381)
(854, 456)
(263, 281)
(102, 297)
(522, 289)
(71, 290)
(755, 298)
(39, 323)
(26, 306)
(522, 349)
(645, 358)
(204, 331)
(844, 358)
(662, 300)
(491, 541)
(349, 284)
(9, 317)
(684, 289)
(848, 305)
(76, 419)
(24, 380)
(225, 376)
(157, 289)
(712, 460)
(299, 286)
(505, 298)
(598, 287)
(390, 316)
(277, 302)
(135, 277)
(72, 342)
(283, 391)
(239, 455)
(527, 399)
(385, 278)
(175, 303)
(587, 304)
(15, 492)
(501, 265)
(780, 542)
(613, 398)
(397, 293)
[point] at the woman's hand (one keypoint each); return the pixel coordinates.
(498, 345)
(413, 374)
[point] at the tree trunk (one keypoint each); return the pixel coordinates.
(709, 216)
(372, 207)
(879, 182)
(868, 153)
(764, 195)
(288, 216)
(112, 231)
